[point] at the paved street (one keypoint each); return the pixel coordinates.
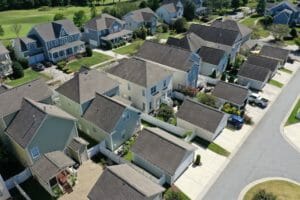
(264, 154)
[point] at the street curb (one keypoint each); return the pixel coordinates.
(254, 183)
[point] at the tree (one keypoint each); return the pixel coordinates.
(175, 195)
(235, 4)
(143, 4)
(206, 99)
(224, 76)
(79, 18)
(17, 70)
(228, 108)
(244, 2)
(189, 10)
(198, 160)
(261, 7)
(153, 4)
(180, 25)
(263, 195)
(16, 28)
(231, 79)
(1, 30)
(165, 112)
(93, 11)
(279, 31)
(294, 33)
(58, 16)
(89, 52)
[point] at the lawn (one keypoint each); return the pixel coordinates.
(29, 75)
(259, 31)
(292, 118)
(283, 190)
(129, 49)
(97, 58)
(276, 83)
(286, 70)
(211, 146)
(128, 156)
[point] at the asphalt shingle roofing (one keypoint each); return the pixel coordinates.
(274, 52)
(262, 61)
(232, 25)
(139, 71)
(85, 84)
(231, 92)
(141, 15)
(104, 112)
(254, 72)
(103, 21)
(161, 149)
(121, 182)
(170, 5)
(166, 55)
(211, 55)
(200, 115)
(189, 41)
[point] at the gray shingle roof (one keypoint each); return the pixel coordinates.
(104, 112)
(232, 25)
(50, 164)
(103, 21)
(3, 49)
(52, 30)
(254, 72)
(29, 119)
(121, 182)
(141, 15)
(139, 71)
(161, 149)
(200, 115)
(83, 86)
(11, 100)
(170, 5)
(262, 61)
(77, 143)
(232, 93)
(166, 55)
(215, 35)
(211, 55)
(189, 41)
(274, 52)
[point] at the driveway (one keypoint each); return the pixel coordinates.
(88, 175)
(264, 154)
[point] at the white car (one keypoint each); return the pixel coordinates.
(257, 100)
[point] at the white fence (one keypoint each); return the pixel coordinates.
(19, 178)
(163, 125)
(94, 150)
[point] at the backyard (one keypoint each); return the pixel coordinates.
(97, 58)
(281, 189)
(129, 49)
(29, 75)
(254, 22)
(292, 118)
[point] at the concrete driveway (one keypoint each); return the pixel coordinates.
(292, 134)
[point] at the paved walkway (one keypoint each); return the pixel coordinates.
(110, 53)
(264, 154)
(292, 134)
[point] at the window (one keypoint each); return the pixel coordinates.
(143, 93)
(153, 90)
(35, 153)
(144, 106)
(165, 83)
(129, 86)
(129, 98)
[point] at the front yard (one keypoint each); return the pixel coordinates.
(97, 58)
(129, 49)
(29, 75)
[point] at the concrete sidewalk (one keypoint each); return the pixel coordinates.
(110, 53)
(292, 133)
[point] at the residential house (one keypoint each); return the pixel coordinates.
(77, 150)
(275, 53)
(123, 182)
(183, 63)
(170, 11)
(255, 77)
(231, 93)
(53, 171)
(145, 84)
(233, 25)
(53, 41)
(189, 41)
(204, 121)
(213, 60)
(75, 95)
(4, 193)
(162, 154)
(38, 129)
(11, 99)
(200, 9)
(265, 62)
(283, 13)
(110, 120)
(144, 17)
(5, 62)
(105, 28)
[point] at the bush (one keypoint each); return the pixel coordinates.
(24, 63)
(171, 194)
(213, 74)
(206, 99)
(89, 52)
(263, 195)
(180, 25)
(143, 4)
(58, 16)
(109, 45)
(267, 20)
(165, 28)
(61, 65)
(198, 160)
(165, 112)
(228, 108)
(142, 33)
(294, 33)
(17, 70)
(188, 91)
(231, 79)
(248, 120)
(224, 77)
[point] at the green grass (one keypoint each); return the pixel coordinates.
(211, 146)
(283, 190)
(128, 156)
(29, 75)
(174, 193)
(129, 49)
(276, 83)
(259, 31)
(286, 70)
(292, 118)
(97, 58)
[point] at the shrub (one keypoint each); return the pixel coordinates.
(263, 195)
(224, 77)
(24, 63)
(61, 65)
(248, 120)
(180, 25)
(109, 45)
(143, 4)
(198, 160)
(188, 91)
(171, 194)
(89, 52)
(267, 20)
(165, 28)
(228, 108)
(231, 79)
(17, 70)
(206, 99)
(294, 33)
(213, 74)
(165, 112)
(58, 16)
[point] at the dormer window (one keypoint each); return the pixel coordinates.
(63, 32)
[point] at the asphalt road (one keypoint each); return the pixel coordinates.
(264, 154)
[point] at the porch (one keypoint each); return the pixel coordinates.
(121, 36)
(65, 51)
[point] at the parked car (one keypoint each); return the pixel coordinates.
(47, 64)
(38, 67)
(236, 121)
(256, 99)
